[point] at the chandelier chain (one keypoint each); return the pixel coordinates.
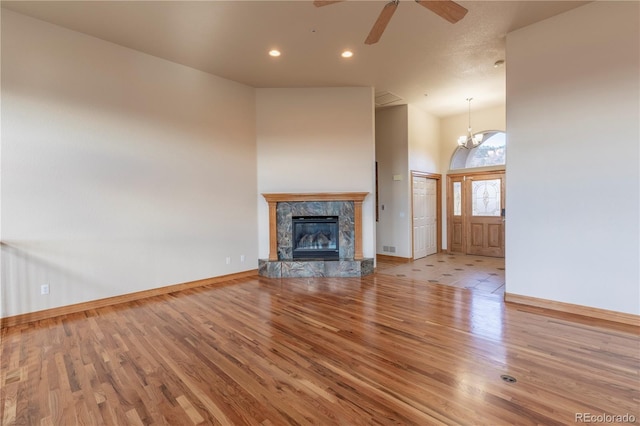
(470, 140)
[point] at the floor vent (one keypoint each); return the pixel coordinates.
(508, 379)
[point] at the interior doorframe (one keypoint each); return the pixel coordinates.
(456, 176)
(438, 178)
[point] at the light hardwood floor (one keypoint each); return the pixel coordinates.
(384, 349)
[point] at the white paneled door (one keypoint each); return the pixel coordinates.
(425, 221)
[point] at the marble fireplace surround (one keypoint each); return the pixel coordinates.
(347, 205)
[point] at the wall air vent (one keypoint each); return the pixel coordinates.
(386, 98)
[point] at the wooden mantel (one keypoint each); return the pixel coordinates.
(274, 199)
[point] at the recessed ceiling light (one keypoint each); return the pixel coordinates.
(274, 52)
(346, 54)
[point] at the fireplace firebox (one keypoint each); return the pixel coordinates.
(315, 237)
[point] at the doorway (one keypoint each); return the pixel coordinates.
(426, 211)
(476, 214)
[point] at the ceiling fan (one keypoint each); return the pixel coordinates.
(447, 9)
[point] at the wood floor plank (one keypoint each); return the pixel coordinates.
(380, 350)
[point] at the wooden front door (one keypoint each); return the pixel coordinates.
(476, 213)
(485, 209)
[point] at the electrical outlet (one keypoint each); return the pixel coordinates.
(228, 260)
(44, 289)
(242, 258)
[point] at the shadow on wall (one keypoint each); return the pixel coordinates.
(26, 267)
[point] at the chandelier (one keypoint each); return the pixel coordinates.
(470, 140)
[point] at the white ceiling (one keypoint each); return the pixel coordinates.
(422, 58)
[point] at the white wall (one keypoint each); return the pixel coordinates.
(424, 141)
(392, 154)
(121, 172)
(573, 178)
(406, 139)
(493, 118)
(316, 140)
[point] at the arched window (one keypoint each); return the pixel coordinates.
(491, 152)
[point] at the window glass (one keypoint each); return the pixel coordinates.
(491, 152)
(457, 198)
(485, 197)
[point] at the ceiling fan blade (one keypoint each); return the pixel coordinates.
(320, 3)
(381, 23)
(447, 9)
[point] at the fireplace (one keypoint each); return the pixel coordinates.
(315, 237)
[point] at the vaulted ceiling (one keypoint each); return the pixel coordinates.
(421, 58)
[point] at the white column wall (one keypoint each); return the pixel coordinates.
(424, 141)
(316, 140)
(392, 154)
(573, 180)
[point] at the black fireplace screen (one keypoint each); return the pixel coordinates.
(315, 237)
